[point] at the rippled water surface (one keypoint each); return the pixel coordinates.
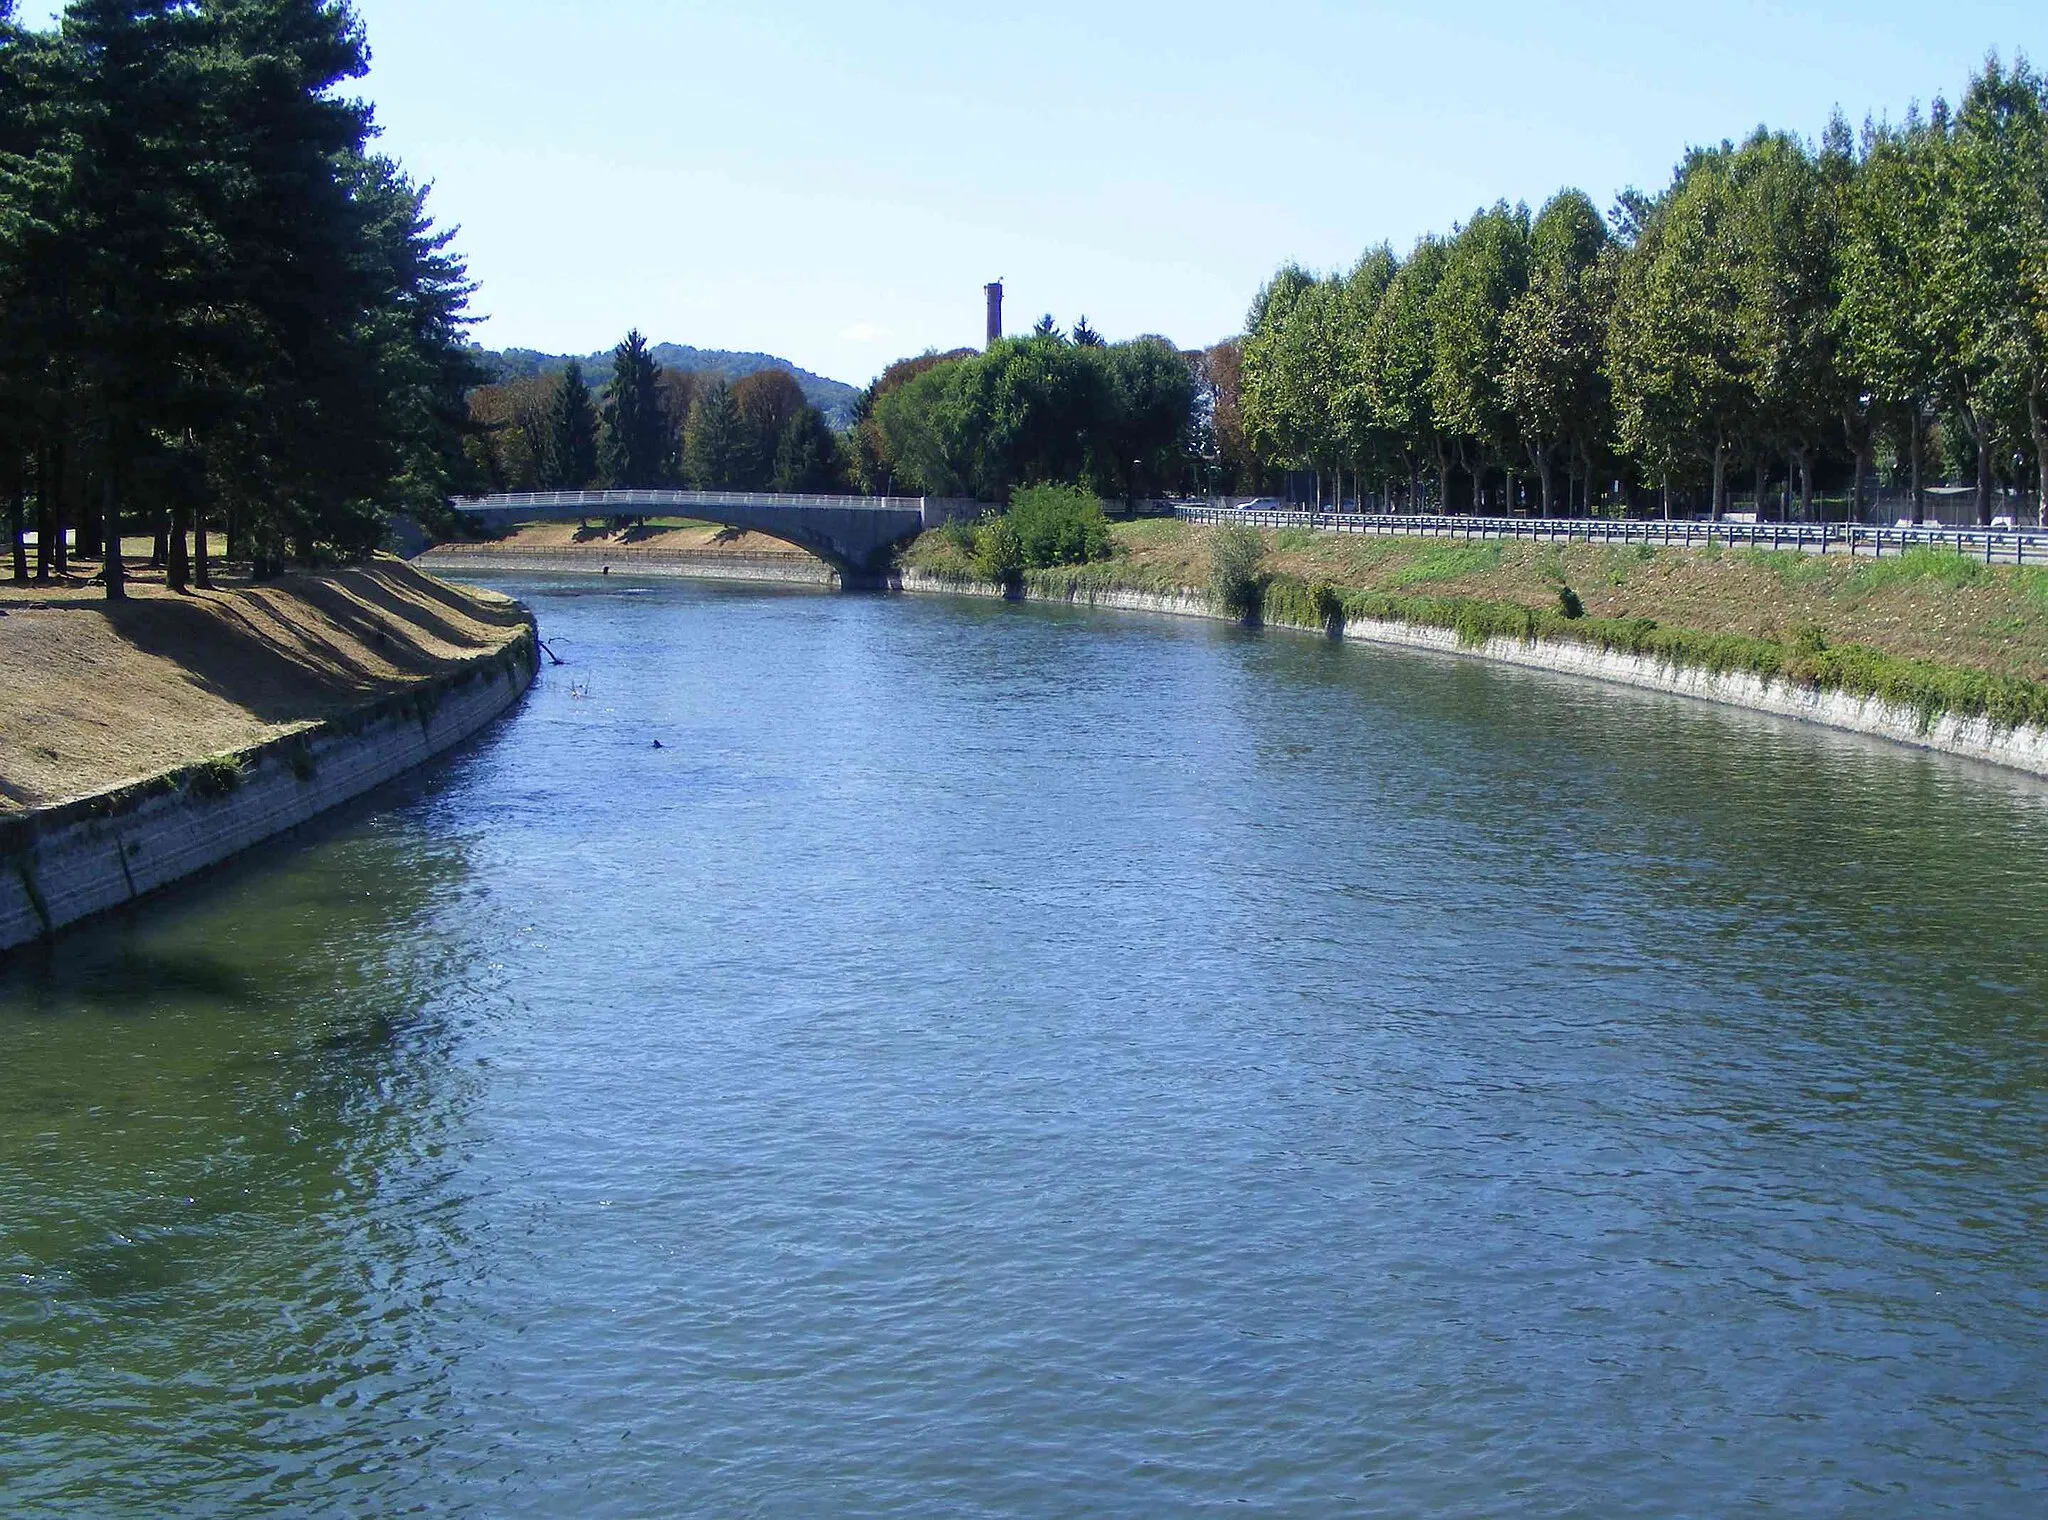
(1000, 1061)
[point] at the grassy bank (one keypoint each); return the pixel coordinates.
(660, 537)
(1931, 630)
(102, 695)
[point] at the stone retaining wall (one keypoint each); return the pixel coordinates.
(63, 864)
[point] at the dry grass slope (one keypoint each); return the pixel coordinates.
(97, 696)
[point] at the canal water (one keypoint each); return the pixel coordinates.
(845, 1056)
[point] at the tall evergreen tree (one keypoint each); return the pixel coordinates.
(807, 455)
(635, 445)
(716, 453)
(570, 460)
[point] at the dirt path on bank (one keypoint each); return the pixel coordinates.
(96, 695)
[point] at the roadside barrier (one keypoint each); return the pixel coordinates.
(1992, 545)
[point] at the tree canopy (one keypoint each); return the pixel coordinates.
(1781, 309)
(216, 302)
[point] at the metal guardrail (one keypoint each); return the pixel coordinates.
(1993, 545)
(602, 502)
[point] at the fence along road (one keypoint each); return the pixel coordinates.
(1992, 545)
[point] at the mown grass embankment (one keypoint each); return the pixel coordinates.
(656, 538)
(100, 695)
(1932, 631)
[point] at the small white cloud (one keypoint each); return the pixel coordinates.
(864, 332)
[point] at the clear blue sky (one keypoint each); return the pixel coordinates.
(834, 182)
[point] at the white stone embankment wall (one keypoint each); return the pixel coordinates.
(65, 864)
(2024, 748)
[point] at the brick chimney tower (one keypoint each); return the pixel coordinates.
(995, 311)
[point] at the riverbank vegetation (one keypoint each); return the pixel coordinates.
(1043, 526)
(1787, 314)
(174, 678)
(1931, 630)
(219, 308)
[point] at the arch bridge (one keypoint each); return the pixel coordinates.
(852, 534)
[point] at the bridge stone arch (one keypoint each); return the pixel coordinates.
(852, 534)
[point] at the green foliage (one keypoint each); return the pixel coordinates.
(1115, 419)
(634, 451)
(807, 456)
(1778, 302)
(1941, 566)
(1058, 525)
(570, 456)
(716, 451)
(998, 551)
(214, 290)
(1569, 604)
(217, 777)
(1237, 571)
(1326, 606)
(1447, 562)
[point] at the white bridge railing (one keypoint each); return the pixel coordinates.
(1990, 544)
(599, 503)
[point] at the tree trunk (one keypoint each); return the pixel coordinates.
(160, 550)
(89, 545)
(46, 530)
(60, 555)
(111, 509)
(1763, 480)
(1720, 503)
(2037, 414)
(1919, 484)
(1806, 486)
(1982, 440)
(17, 505)
(202, 569)
(177, 565)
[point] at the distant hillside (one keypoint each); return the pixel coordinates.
(834, 398)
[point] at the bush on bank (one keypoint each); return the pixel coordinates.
(1043, 527)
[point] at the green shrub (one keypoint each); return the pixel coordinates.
(959, 533)
(1058, 525)
(1569, 604)
(214, 778)
(1326, 606)
(998, 551)
(1237, 558)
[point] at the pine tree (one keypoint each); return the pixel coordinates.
(1086, 336)
(635, 423)
(715, 451)
(807, 454)
(570, 459)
